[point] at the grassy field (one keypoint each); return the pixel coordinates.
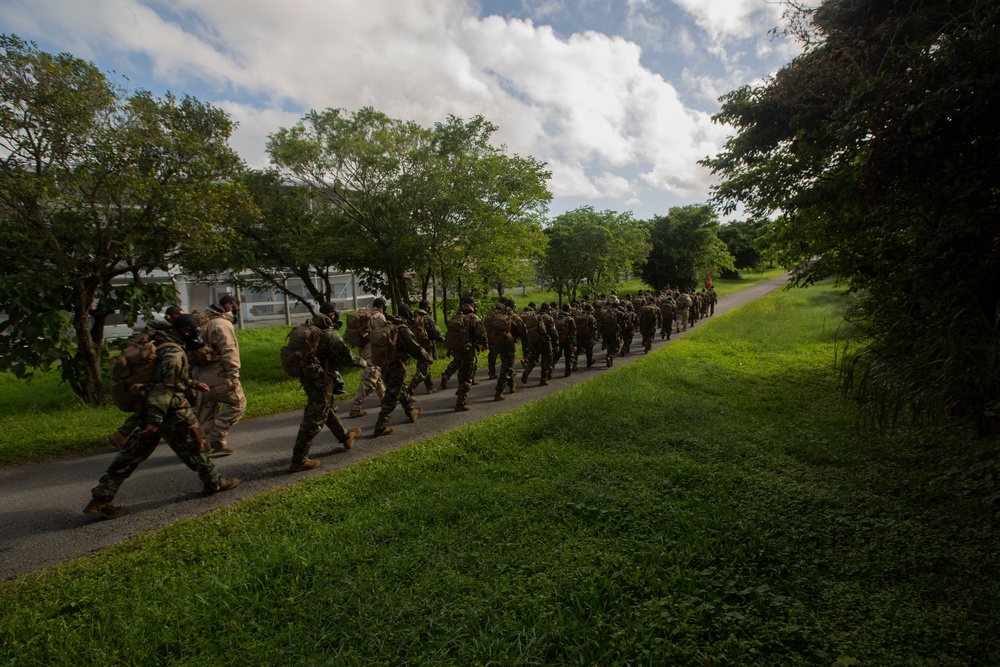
(711, 503)
(43, 418)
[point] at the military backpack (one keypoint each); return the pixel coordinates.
(300, 355)
(583, 330)
(499, 330)
(456, 341)
(532, 324)
(358, 327)
(562, 326)
(383, 338)
(132, 371)
(609, 323)
(647, 316)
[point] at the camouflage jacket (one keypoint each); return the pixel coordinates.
(333, 353)
(172, 387)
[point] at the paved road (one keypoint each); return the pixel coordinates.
(41, 523)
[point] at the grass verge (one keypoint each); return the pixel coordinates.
(711, 503)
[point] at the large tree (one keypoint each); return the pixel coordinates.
(686, 245)
(874, 153)
(592, 248)
(97, 187)
(367, 165)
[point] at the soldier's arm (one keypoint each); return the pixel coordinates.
(168, 378)
(411, 346)
(337, 350)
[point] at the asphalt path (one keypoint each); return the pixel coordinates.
(43, 524)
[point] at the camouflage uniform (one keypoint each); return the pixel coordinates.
(468, 357)
(610, 333)
(333, 354)
(683, 305)
(396, 389)
(507, 350)
(223, 405)
(132, 423)
(667, 313)
(168, 409)
(426, 331)
(586, 335)
(566, 322)
(542, 349)
(371, 375)
(649, 320)
(628, 324)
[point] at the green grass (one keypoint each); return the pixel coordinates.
(711, 503)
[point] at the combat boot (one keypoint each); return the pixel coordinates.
(351, 437)
(493, 376)
(357, 413)
(431, 389)
(524, 377)
(224, 484)
(104, 509)
(415, 413)
(385, 430)
(303, 465)
(221, 449)
(499, 396)
(444, 381)
(462, 407)
(513, 387)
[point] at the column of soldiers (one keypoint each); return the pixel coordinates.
(193, 405)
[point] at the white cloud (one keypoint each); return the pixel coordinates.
(733, 18)
(606, 125)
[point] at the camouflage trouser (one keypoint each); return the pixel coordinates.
(180, 429)
(453, 366)
(505, 379)
(371, 381)
(587, 349)
(130, 425)
(569, 356)
(627, 338)
(423, 374)
(221, 407)
(611, 347)
(647, 338)
(542, 350)
(466, 373)
(396, 391)
(682, 319)
(491, 360)
(320, 409)
(667, 329)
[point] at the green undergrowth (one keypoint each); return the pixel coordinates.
(713, 503)
(43, 419)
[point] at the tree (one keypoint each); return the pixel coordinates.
(874, 152)
(96, 184)
(366, 165)
(292, 233)
(686, 244)
(741, 241)
(592, 248)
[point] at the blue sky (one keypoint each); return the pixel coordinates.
(615, 95)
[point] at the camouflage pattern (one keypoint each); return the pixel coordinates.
(223, 405)
(333, 354)
(542, 349)
(648, 329)
(396, 388)
(433, 334)
(507, 353)
(169, 410)
(567, 348)
(371, 375)
(585, 343)
(468, 359)
(627, 325)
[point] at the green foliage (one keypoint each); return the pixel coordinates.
(741, 241)
(874, 153)
(96, 185)
(592, 250)
(686, 244)
(708, 504)
(438, 202)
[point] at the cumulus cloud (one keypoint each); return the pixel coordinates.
(606, 125)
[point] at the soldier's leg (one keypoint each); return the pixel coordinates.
(530, 359)
(367, 382)
(393, 388)
(135, 451)
(491, 361)
(119, 437)
(466, 373)
(313, 417)
(569, 358)
(232, 404)
(182, 433)
(546, 364)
